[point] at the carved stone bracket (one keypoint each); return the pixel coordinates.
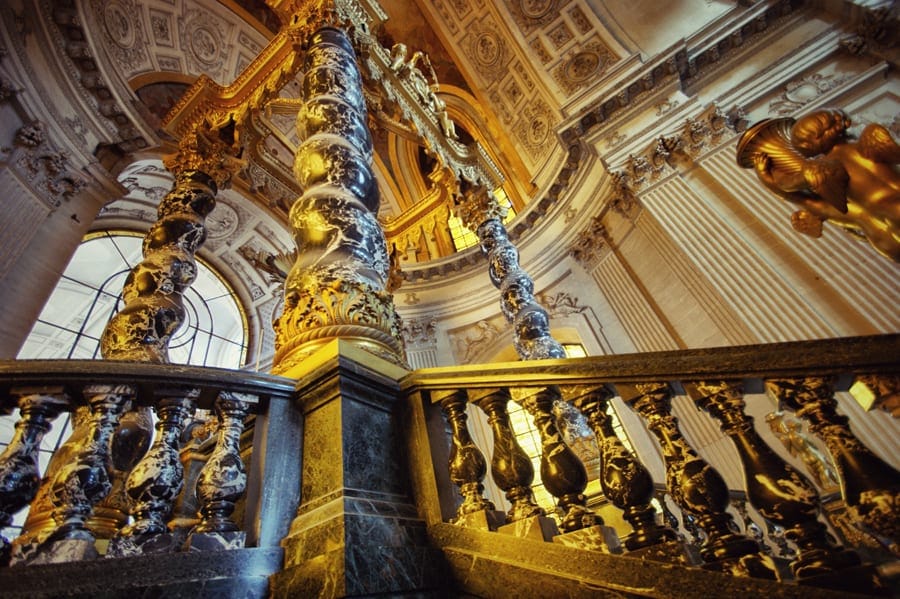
(591, 245)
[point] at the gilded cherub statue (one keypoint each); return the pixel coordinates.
(814, 163)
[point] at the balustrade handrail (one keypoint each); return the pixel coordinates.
(822, 357)
(147, 379)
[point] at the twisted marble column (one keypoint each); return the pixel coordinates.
(153, 292)
(337, 286)
(480, 211)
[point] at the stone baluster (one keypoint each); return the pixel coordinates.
(19, 473)
(870, 487)
(222, 480)
(780, 493)
(155, 483)
(624, 480)
(338, 284)
(481, 212)
(510, 465)
(84, 481)
(696, 486)
(562, 473)
(467, 464)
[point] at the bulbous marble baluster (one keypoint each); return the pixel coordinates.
(562, 473)
(467, 465)
(778, 491)
(84, 481)
(157, 479)
(510, 465)
(624, 480)
(696, 486)
(870, 487)
(223, 480)
(19, 474)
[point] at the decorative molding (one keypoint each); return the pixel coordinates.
(800, 92)
(591, 245)
(560, 304)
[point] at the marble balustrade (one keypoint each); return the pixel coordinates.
(787, 522)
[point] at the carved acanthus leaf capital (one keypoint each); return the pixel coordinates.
(477, 205)
(209, 148)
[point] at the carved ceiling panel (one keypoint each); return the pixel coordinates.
(181, 37)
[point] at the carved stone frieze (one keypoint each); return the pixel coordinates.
(488, 49)
(420, 331)
(560, 304)
(582, 66)
(70, 37)
(123, 33)
(47, 169)
(468, 343)
(534, 129)
(800, 92)
(665, 154)
(203, 38)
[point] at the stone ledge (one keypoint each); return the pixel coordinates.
(244, 572)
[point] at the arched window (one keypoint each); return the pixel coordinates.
(88, 294)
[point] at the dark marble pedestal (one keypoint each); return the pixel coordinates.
(356, 531)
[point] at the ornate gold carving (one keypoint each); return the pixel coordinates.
(478, 204)
(790, 432)
(154, 289)
(210, 147)
(344, 309)
(812, 162)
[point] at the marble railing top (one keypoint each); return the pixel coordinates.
(842, 357)
(149, 381)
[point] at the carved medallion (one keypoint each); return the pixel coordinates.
(118, 25)
(535, 9)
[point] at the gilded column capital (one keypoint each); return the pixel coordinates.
(477, 205)
(210, 149)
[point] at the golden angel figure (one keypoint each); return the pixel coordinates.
(814, 163)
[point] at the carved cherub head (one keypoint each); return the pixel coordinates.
(818, 132)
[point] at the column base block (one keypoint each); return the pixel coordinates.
(537, 528)
(669, 552)
(482, 520)
(216, 541)
(167, 542)
(65, 550)
(594, 538)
